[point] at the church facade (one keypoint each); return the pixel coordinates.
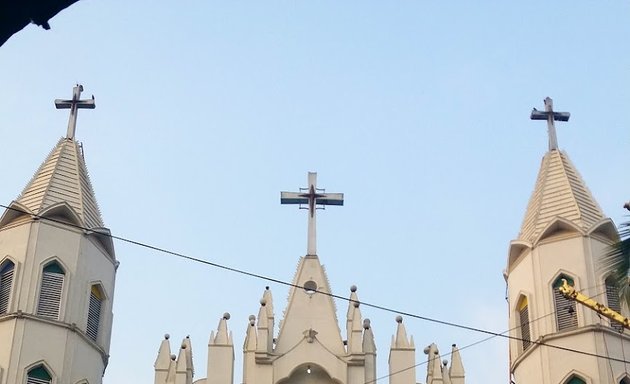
(309, 346)
(58, 268)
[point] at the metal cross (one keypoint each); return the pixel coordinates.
(312, 197)
(550, 116)
(74, 105)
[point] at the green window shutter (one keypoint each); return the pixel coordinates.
(38, 375)
(50, 292)
(6, 281)
(576, 380)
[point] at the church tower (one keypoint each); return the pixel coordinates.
(563, 236)
(57, 272)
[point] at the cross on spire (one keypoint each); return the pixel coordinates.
(312, 197)
(74, 105)
(550, 116)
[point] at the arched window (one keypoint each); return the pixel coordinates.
(6, 281)
(94, 312)
(523, 317)
(38, 375)
(566, 315)
(575, 380)
(612, 298)
(50, 291)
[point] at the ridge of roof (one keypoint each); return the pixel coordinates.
(560, 192)
(63, 178)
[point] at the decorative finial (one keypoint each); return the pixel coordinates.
(310, 198)
(399, 319)
(353, 288)
(167, 336)
(366, 324)
(550, 116)
(74, 105)
(226, 315)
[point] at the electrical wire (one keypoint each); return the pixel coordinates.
(285, 283)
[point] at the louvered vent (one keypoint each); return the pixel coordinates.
(50, 292)
(34, 380)
(6, 280)
(612, 297)
(94, 313)
(566, 315)
(525, 334)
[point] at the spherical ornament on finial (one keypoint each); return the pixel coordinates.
(266, 288)
(183, 346)
(252, 317)
(427, 350)
(263, 302)
(356, 304)
(353, 288)
(167, 336)
(226, 315)
(445, 362)
(173, 357)
(366, 324)
(399, 319)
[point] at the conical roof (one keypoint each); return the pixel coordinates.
(560, 192)
(63, 178)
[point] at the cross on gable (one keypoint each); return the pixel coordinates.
(551, 116)
(313, 198)
(74, 105)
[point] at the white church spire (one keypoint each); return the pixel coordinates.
(563, 236)
(62, 183)
(456, 371)
(163, 360)
(559, 193)
(354, 323)
(221, 354)
(72, 271)
(402, 356)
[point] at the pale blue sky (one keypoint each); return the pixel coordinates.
(417, 111)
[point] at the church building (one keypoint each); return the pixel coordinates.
(564, 234)
(58, 269)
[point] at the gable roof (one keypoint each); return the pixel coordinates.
(310, 309)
